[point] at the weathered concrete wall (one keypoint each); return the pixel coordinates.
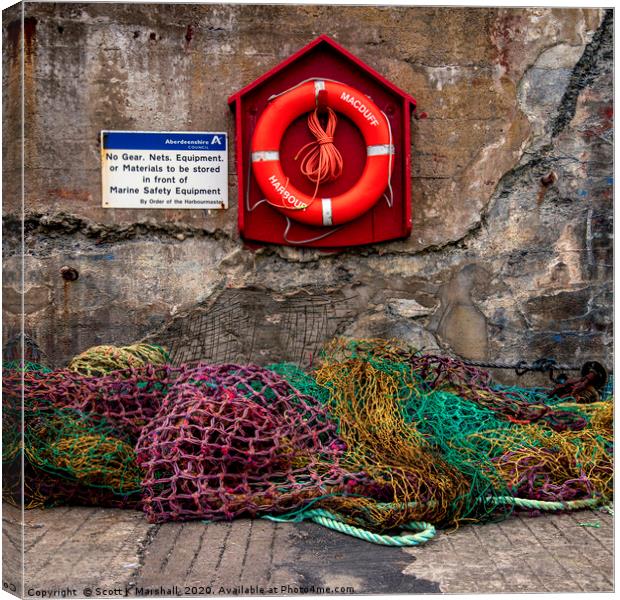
(499, 265)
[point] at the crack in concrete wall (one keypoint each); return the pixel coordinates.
(64, 224)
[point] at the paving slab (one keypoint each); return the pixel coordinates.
(96, 552)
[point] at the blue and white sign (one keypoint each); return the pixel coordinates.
(157, 169)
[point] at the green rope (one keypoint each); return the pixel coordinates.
(547, 505)
(333, 521)
(426, 531)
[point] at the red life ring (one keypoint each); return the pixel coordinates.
(289, 200)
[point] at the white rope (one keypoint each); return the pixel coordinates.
(274, 96)
(247, 187)
(390, 200)
(288, 221)
(309, 241)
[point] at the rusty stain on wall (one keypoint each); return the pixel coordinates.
(19, 30)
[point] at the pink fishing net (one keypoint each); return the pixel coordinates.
(242, 443)
(211, 441)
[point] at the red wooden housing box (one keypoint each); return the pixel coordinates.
(324, 58)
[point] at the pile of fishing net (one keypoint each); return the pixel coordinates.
(196, 441)
(450, 446)
(378, 438)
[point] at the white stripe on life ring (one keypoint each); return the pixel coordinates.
(326, 205)
(379, 150)
(318, 86)
(265, 156)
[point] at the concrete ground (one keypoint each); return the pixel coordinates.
(82, 552)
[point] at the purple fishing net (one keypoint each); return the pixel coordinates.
(237, 440)
(213, 441)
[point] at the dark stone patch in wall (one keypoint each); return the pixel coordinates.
(598, 52)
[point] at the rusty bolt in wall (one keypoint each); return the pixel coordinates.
(549, 179)
(69, 273)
